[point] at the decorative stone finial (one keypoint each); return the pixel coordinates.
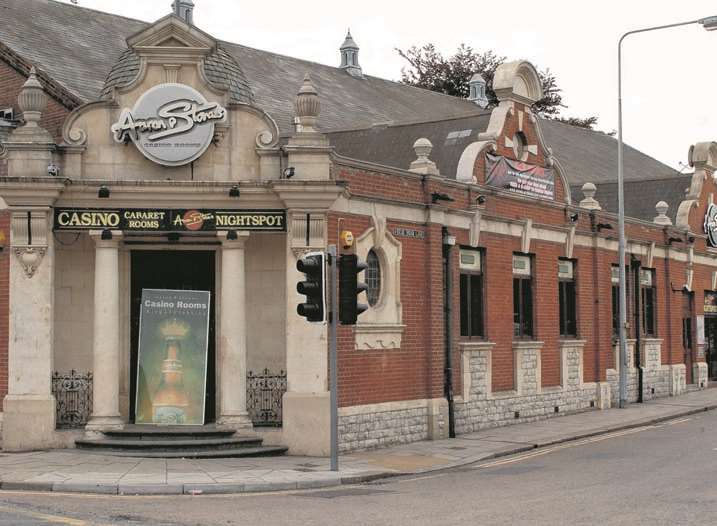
(307, 106)
(662, 218)
(477, 86)
(589, 202)
(423, 165)
(349, 57)
(32, 100)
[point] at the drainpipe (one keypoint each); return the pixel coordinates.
(638, 307)
(448, 242)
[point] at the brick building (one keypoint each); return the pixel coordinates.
(490, 234)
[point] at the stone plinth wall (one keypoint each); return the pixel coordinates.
(658, 380)
(480, 408)
(382, 425)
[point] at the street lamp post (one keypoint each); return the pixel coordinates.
(710, 24)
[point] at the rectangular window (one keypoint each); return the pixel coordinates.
(567, 299)
(648, 296)
(471, 280)
(522, 297)
(615, 278)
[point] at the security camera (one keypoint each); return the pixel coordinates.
(480, 200)
(574, 217)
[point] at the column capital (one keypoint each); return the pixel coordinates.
(102, 241)
(238, 242)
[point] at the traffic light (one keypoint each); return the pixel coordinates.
(349, 289)
(313, 265)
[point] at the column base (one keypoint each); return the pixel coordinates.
(306, 428)
(242, 422)
(98, 424)
(28, 422)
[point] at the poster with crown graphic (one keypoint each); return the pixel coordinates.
(172, 357)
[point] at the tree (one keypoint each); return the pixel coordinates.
(429, 69)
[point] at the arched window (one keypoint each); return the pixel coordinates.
(373, 278)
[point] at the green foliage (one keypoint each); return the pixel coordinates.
(429, 69)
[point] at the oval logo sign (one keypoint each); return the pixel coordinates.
(171, 124)
(711, 225)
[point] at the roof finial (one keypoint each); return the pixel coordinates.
(184, 9)
(349, 56)
(32, 99)
(477, 94)
(307, 106)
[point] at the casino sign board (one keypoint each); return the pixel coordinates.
(171, 124)
(148, 220)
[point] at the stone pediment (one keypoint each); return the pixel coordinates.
(171, 35)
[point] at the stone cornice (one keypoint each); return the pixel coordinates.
(308, 195)
(31, 191)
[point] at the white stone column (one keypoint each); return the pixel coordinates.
(231, 361)
(29, 407)
(106, 334)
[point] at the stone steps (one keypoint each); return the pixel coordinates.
(177, 442)
(263, 451)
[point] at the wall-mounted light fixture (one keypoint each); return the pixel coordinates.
(289, 172)
(234, 191)
(232, 235)
(106, 235)
(435, 197)
(481, 199)
(104, 192)
(449, 240)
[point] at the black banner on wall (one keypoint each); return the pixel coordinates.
(168, 220)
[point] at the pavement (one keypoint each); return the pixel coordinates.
(73, 471)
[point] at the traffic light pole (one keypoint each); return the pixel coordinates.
(333, 369)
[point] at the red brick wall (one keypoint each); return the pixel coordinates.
(10, 85)
(416, 370)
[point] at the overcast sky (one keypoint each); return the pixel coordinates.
(669, 76)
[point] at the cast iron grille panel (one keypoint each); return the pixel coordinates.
(73, 395)
(264, 393)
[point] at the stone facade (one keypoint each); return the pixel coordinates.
(381, 425)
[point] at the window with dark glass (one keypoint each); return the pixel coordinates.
(471, 284)
(567, 299)
(648, 295)
(522, 297)
(615, 277)
(373, 278)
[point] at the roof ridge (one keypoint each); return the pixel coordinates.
(411, 123)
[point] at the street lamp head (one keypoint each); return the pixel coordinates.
(709, 23)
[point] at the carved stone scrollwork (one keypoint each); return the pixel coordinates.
(77, 137)
(30, 258)
(264, 139)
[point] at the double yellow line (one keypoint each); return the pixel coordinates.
(545, 451)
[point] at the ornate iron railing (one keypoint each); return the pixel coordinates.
(264, 393)
(73, 393)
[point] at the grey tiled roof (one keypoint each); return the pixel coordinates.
(82, 48)
(586, 155)
(220, 67)
(641, 196)
(223, 71)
